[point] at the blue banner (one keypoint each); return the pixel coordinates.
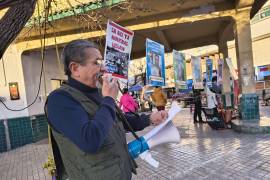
(179, 64)
(209, 72)
(155, 64)
(196, 72)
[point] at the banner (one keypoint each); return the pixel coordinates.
(209, 72)
(196, 72)
(179, 64)
(232, 69)
(219, 71)
(117, 50)
(155, 65)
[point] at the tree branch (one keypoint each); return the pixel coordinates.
(8, 3)
(14, 21)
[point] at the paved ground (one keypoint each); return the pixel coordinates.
(202, 154)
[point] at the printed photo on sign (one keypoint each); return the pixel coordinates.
(117, 62)
(117, 50)
(155, 71)
(196, 72)
(179, 64)
(155, 64)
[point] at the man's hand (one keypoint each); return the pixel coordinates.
(109, 88)
(158, 117)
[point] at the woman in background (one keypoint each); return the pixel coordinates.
(127, 103)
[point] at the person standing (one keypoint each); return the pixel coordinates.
(87, 127)
(198, 106)
(146, 98)
(159, 98)
(127, 103)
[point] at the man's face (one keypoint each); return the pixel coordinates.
(88, 73)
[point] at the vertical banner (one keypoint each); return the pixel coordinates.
(209, 72)
(232, 70)
(179, 64)
(196, 72)
(219, 71)
(117, 50)
(155, 64)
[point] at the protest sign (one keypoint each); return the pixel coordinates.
(117, 50)
(232, 69)
(209, 72)
(155, 65)
(196, 72)
(179, 64)
(219, 71)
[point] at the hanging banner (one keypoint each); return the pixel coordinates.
(219, 71)
(117, 50)
(196, 72)
(232, 69)
(179, 64)
(209, 72)
(155, 65)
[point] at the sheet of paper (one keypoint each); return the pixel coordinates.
(171, 114)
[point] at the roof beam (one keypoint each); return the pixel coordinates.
(34, 44)
(192, 43)
(197, 42)
(226, 31)
(244, 3)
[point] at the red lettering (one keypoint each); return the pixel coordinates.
(119, 40)
(113, 30)
(118, 47)
(119, 33)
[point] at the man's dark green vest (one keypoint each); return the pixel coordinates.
(112, 161)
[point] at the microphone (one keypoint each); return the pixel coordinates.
(100, 80)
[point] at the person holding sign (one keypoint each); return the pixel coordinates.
(87, 128)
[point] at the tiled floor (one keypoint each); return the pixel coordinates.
(202, 154)
(25, 163)
(207, 154)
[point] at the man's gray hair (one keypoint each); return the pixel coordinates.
(74, 51)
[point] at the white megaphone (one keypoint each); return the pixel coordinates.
(166, 132)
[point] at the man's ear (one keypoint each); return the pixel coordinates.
(74, 69)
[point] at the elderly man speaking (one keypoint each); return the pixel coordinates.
(88, 133)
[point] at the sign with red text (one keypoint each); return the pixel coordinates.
(117, 50)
